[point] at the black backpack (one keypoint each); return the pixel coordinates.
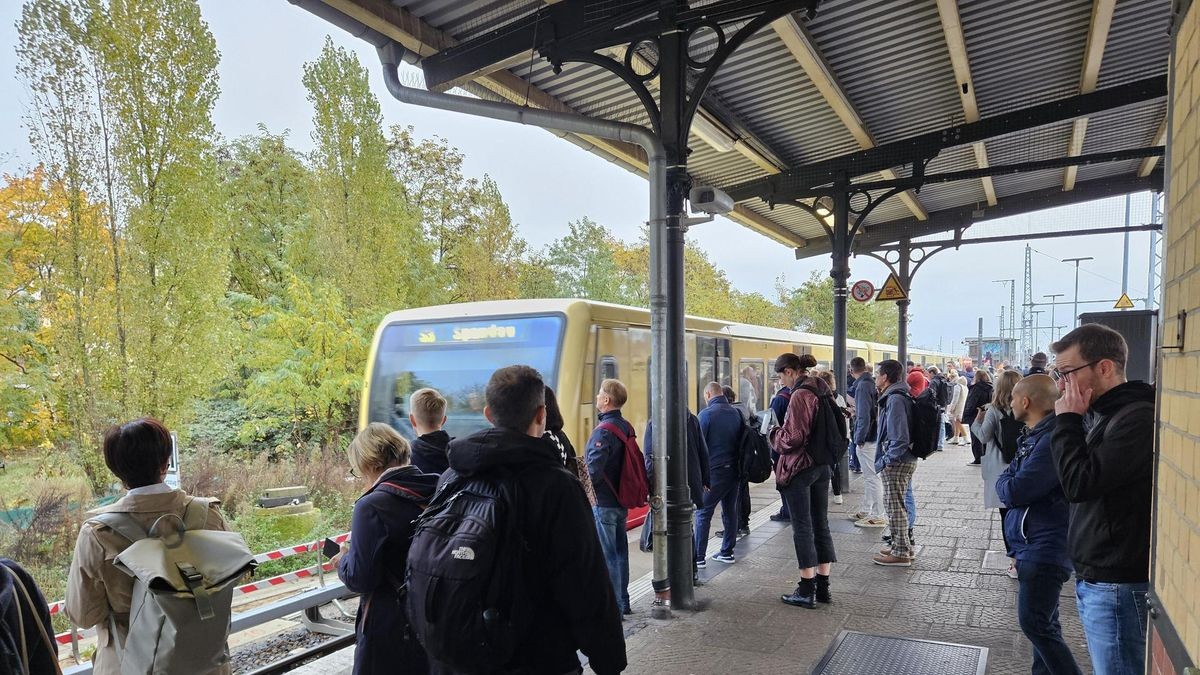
(829, 437)
(1010, 436)
(465, 596)
(924, 424)
(944, 391)
(755, 454)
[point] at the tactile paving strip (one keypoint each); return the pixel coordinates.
(854, 653)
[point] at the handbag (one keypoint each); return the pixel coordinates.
(580, 469)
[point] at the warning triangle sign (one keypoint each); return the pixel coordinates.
(892, 290)
(1123, 302)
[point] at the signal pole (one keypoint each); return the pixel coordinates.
(1053, 324)
(1075, 317)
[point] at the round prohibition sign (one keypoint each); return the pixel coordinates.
(862, 291)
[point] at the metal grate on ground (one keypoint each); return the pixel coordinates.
(853, 653)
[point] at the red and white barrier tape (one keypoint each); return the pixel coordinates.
(277, 554)
(283, 578)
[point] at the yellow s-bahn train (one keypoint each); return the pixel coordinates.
(574, 344)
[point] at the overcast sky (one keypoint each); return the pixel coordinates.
(547, 182)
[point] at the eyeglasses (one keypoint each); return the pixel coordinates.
(1059, 375)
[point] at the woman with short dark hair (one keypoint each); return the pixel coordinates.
(98, 594)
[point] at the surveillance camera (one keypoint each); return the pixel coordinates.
(710, 200)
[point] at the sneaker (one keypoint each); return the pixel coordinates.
(857, 471)
(974, 463)
(889, 560)
(837, 499)
(701, 564)
(871, 522)
(858, 515)
(719, 534)
(724, 558)
(1012, 571)
(743, 532)
(780, 518)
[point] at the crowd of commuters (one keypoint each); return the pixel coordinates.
(1065, 451)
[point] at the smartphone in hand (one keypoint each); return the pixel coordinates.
(330, 548)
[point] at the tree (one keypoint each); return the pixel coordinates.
(364, 238)
(266, 188)
(484, 253)
(810, 308)
(583, 263)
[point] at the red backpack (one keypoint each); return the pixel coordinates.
(634, 489)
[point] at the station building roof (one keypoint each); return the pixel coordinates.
(896, 85)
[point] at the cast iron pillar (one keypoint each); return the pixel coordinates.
(905, 278)
(840, 271)
(675, 124)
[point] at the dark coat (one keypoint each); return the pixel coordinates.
(697, 463)
(429, 452)
(381, 530)
(604, 455)
(569, 592)
(978, 395)
(12, 605)
(1107, 472)
(1036, 522)
(721, 425)
(866, 397)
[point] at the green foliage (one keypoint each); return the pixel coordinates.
(810, 308)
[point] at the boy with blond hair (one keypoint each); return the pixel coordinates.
(428, 416)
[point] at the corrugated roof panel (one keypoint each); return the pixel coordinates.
(1139, 42)
(900, 87)
(1024, 51)
(941, 196)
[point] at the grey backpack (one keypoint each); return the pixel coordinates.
(183, 583)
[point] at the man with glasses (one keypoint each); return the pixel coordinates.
(1103, 448)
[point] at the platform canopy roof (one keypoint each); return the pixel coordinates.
(894, 93)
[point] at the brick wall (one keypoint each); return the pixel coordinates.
(1178, 548)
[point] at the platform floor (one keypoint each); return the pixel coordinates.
(742, 627)
(948, 595)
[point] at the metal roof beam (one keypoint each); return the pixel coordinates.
(956, 43)
(800, 44)
(927, 146)
(1160, 138)
(1013, 205)
(1102, 14)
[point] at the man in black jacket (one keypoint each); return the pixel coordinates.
(570, 599)
(427, 417)
(1104, 452)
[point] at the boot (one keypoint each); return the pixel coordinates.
(803, 596)
(823, 589)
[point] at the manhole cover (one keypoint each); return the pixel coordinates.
(853, 653)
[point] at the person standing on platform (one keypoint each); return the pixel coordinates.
(721, 426)
(1035, 525)
(605, 454)
(1037, 364)
(866, 398)
(1104, 451)
(744, 487)
(802, 475)
(835, 481)
(427, 418)
(996, 426)
(895, 463)
(788, 368)
(978, 394)
(943, 391)
(958, 402)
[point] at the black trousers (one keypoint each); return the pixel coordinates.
(744, 506)
(1004, 533)
(976, 446)
(807, 499)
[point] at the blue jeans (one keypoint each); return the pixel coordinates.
(1037, 612)
(854, 458)
(1114, 619)
(723, 490)
(610, 525)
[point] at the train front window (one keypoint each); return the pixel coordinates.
(456, 358)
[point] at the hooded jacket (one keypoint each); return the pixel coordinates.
(566, 579)
(429, 452)
(895, 440)
(1037, 516)
(866, 397)
(1106, 472)
(721, 424)
(381, 530)
(17, 615)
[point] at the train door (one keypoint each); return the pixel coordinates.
(714, 363)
